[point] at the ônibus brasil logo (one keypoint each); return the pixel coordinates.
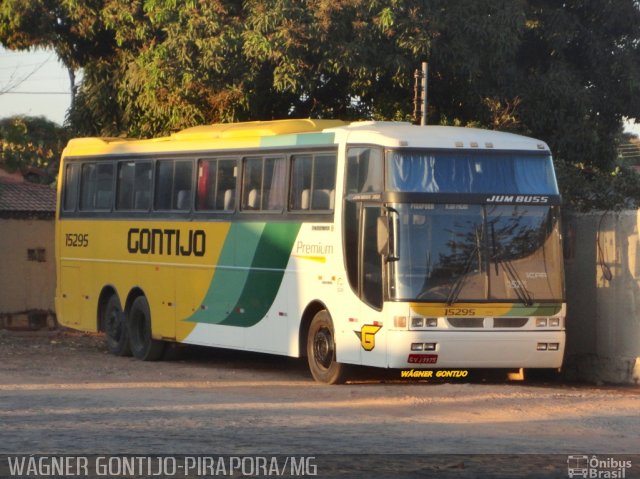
(594, 467)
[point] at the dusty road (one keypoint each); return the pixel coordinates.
(62, 393)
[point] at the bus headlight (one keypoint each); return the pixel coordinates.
(554, 322)
(417, 346)
(541, 322)
(432, 322)
(417, 322)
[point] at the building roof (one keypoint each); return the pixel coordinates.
(26, 200)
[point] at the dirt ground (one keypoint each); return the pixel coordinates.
(62, 393)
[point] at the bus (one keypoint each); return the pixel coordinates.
(380, 244)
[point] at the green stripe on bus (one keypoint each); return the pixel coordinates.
(242, 295)
(536, 309)
(231, 272)
(305, 139)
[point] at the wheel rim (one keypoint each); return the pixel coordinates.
(323, 348)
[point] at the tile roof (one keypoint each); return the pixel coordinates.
(26, 198)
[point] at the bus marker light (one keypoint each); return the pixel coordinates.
(377, 323)
(542, 347)
(417, 322)
(541, 322)
(399, 321)
(554, 322)
(554, 346)
(353, 320)
(417, 346)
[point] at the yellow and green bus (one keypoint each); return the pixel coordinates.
(371, 243)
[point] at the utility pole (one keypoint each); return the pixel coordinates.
(420, 95)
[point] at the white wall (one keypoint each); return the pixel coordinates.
(602, 260)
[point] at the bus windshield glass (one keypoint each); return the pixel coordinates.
(459, 252)
(470, 171)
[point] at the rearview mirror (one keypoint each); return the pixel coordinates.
(383, 235)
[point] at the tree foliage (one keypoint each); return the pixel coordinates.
(566, 72)
(32, 143)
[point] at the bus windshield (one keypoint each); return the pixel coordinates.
(470, 171)
(461, 252)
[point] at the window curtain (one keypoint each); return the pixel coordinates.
(470, 173)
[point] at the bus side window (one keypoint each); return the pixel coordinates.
(142, 186)
(70, 187)
(96, 186)
(182, 193)
(301, 182)
(226, 185)
(104, 186)
(173, 185)
(263, 184)
(216, 185)
(364, 170)
(324, 182)
(205, 196)
(251, 183)
(313, 182)
(133, 189)
(87, 186)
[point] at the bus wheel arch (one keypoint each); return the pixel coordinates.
(321, 350)
(142, 344)
(112, 321)
(309, 313)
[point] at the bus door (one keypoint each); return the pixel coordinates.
(364, 268)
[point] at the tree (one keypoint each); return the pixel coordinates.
(565, 72)
(32, 142)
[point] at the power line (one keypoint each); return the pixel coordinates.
(13, 84)
(36, 93)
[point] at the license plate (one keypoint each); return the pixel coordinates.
(423, 359)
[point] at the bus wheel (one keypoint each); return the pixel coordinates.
(143, 346)
(116, 333)
(321, 351)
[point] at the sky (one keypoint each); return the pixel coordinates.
(35, 83)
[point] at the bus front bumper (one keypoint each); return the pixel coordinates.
(471, 349)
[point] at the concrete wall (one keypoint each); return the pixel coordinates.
(26, 284)
(602, 261)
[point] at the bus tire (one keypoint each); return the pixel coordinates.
(321, 351)
(115, 328)
(143, 346)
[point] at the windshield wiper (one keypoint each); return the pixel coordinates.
(518, 285)
(456, 287)
(521, 291)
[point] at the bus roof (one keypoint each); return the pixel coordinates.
(401, 134)
(280, 133)
(219, 136)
